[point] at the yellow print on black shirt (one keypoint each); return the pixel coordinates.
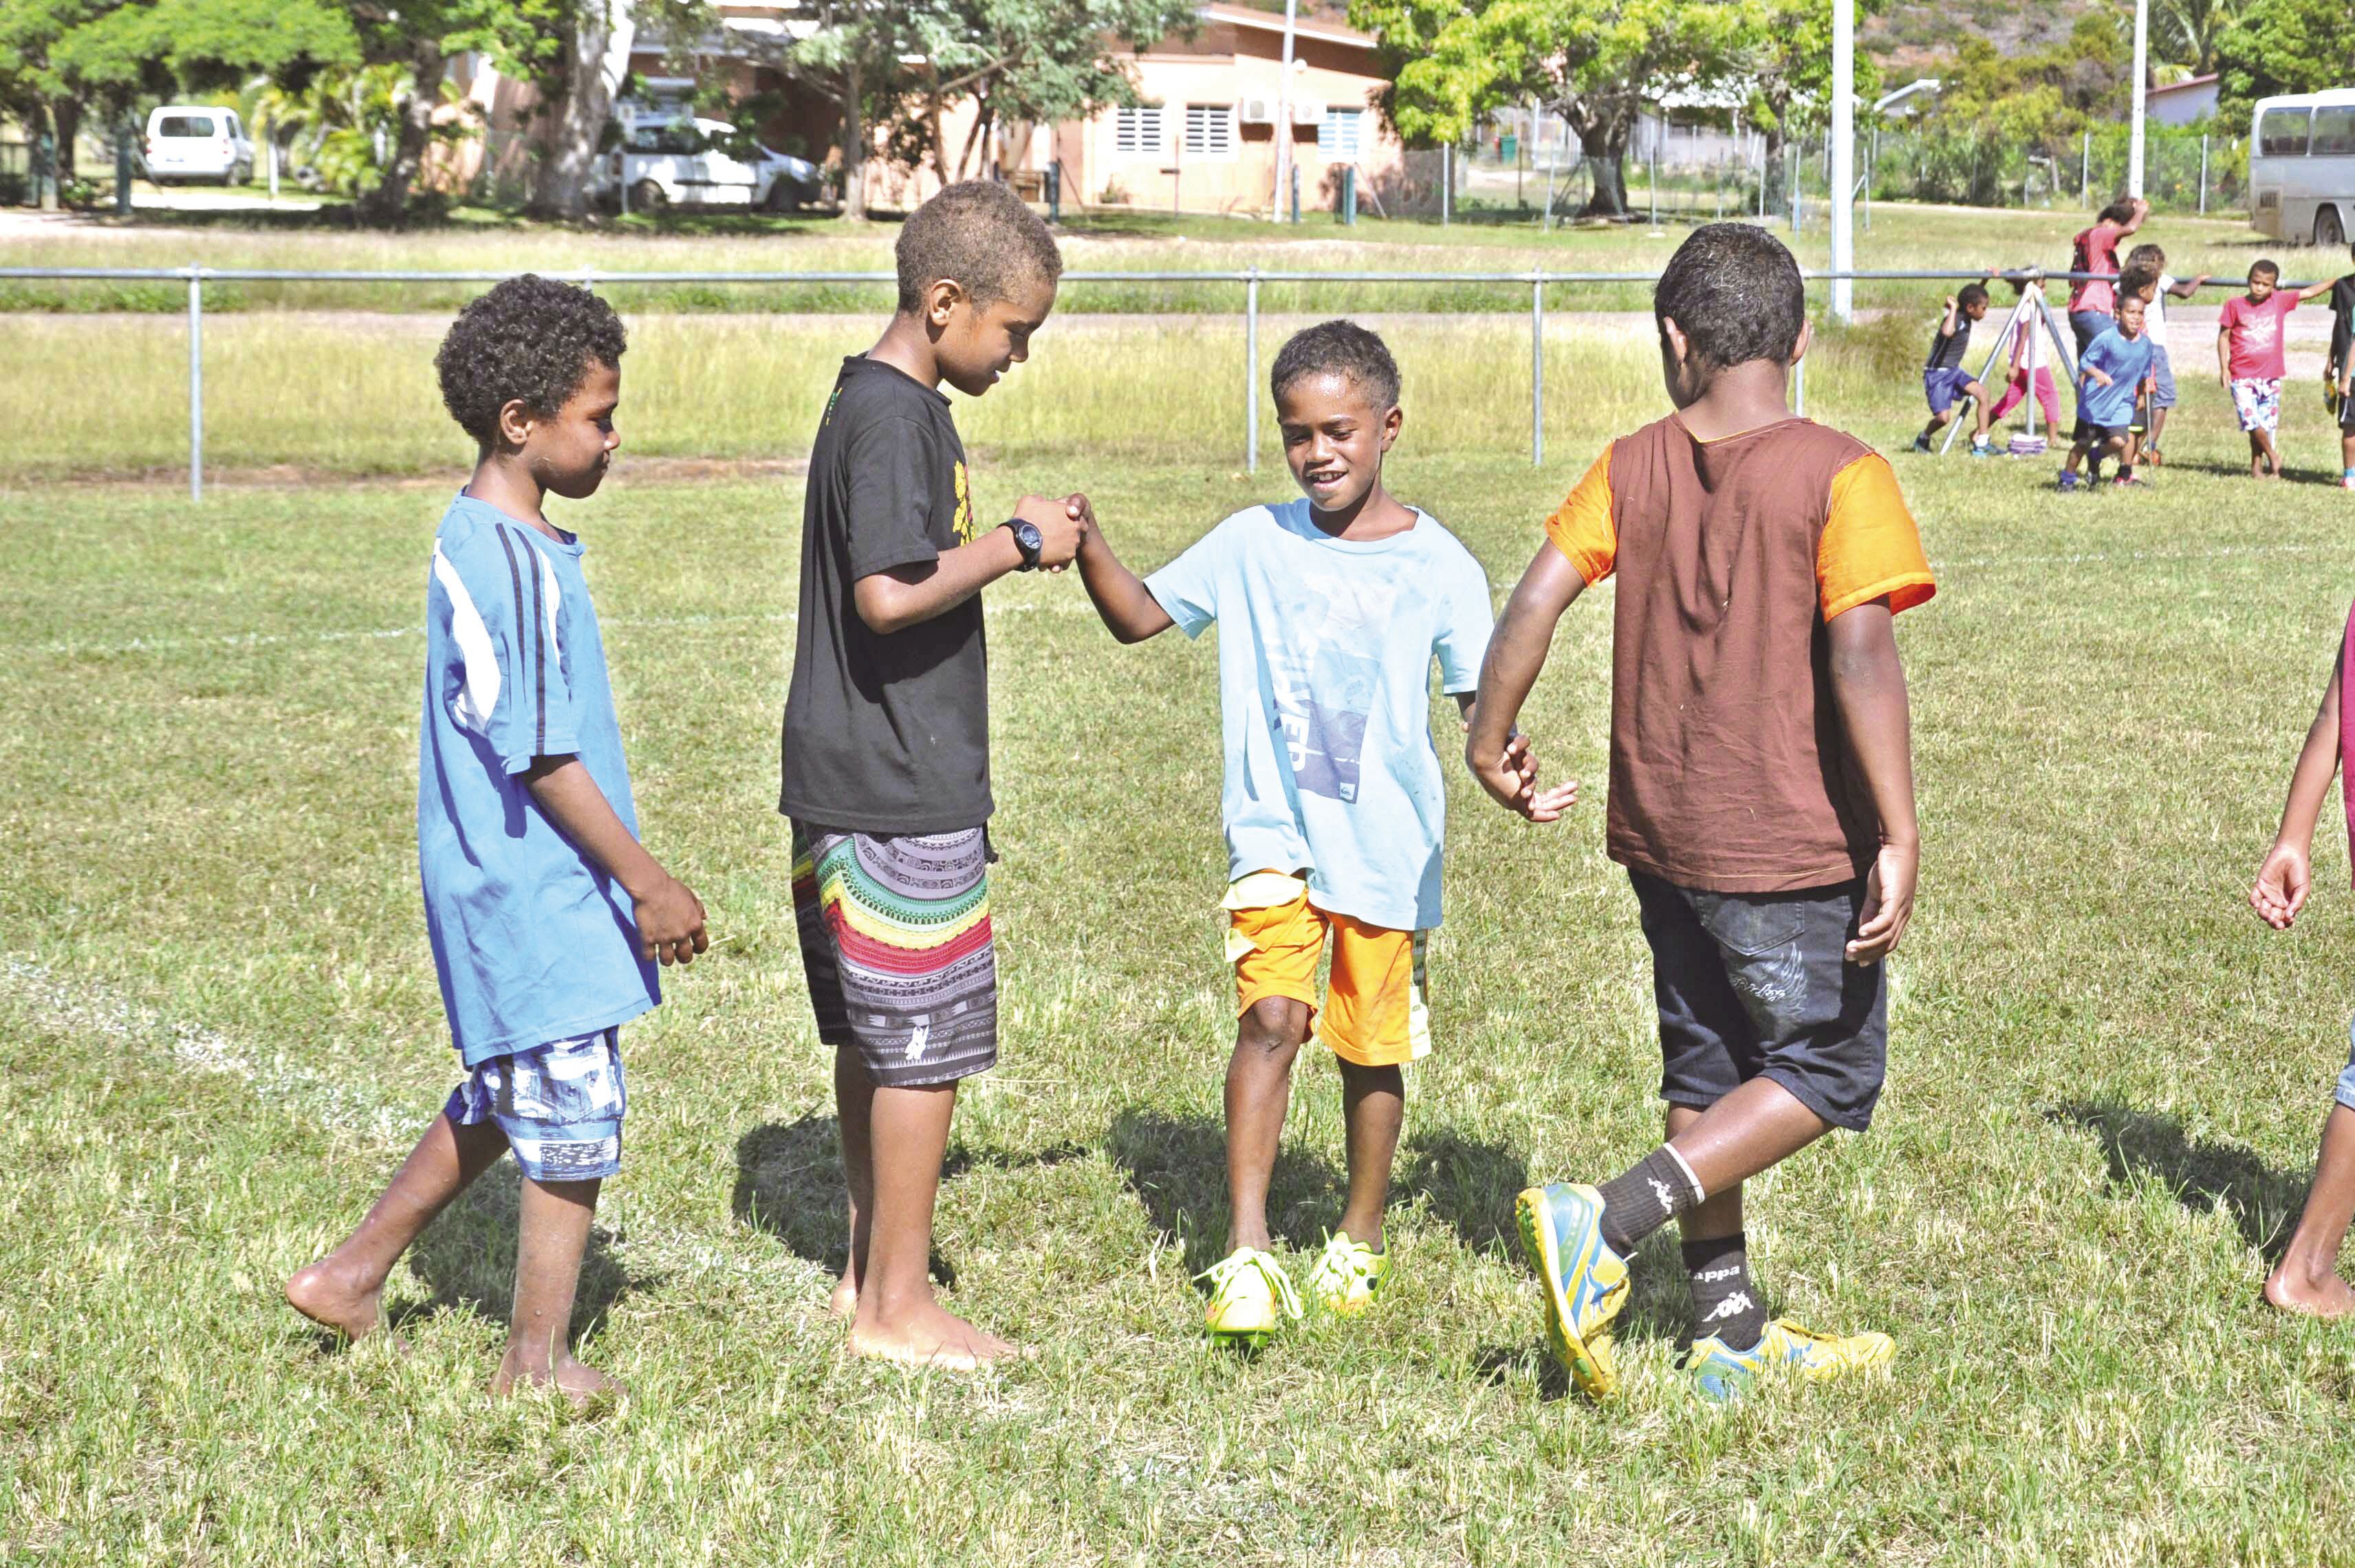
(964, 507)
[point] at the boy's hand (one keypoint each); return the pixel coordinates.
(1888, 903)
(2282, 883)
(2092, 373)
(670, 923)
(1950, 301)
(1060, 529)
(1511, 780)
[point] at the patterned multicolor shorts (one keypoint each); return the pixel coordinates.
(2258, 403)
(896, 939)
(560, 1105)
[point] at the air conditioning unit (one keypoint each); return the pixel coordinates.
(1256, 111)
(1307, 112)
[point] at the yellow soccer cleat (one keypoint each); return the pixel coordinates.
(1347, 1275)
(1722, 1372)
(1585, 1280)
(1251, 1297)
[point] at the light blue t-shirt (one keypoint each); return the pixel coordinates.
(2125, 361)
(531, 943)
(1325, 698)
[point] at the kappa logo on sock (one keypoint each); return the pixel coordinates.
(1710, 1275)
(1665, 1193)
(1732, 1306)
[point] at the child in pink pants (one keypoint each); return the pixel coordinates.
(2028, 349)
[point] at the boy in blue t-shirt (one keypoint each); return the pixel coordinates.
(547, 916)
(1334, 803)
(2109, 374)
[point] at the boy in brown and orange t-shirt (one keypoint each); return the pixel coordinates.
(1761, 793)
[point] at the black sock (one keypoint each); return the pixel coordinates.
(1652, 1192)
(1724, 1302)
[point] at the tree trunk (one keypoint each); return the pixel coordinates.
(1776, 177)
(1605, 145)
(388, 204)
(578, 116)
(854, 141)
(935, 112)
(69, 120)
(44, 160)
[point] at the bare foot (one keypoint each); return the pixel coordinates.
(322, 1294)
(582, 1384)
(2296, 1291)
(844, 1302)
(928, 1336)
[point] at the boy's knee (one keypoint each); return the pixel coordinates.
(1274, 1024)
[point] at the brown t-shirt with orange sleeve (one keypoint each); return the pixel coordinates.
(1729, 772)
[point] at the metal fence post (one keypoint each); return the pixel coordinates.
(1250, 371)
(2203, 174)
(195, 276)
(1537, 367)
(2086, 172)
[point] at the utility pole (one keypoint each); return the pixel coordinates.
(2141, 88)
(1284, 115)
(1843, 158)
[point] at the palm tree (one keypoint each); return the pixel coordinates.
(2189, 29)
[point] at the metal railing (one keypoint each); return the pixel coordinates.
(1536, 279)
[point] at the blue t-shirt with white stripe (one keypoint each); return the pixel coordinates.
(531, 943)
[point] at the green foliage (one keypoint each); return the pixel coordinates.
(2045, 98)
(2285, 46)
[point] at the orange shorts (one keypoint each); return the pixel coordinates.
(1374, 1000)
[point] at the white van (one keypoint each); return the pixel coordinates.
(197, 142)
(665, 161)
(2302, 167)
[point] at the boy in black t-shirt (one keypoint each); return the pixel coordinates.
(1943, 377)
(2340, 369)
(886, 744)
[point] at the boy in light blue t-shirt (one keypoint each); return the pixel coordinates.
(547, 916)
(1333, 609)
(2109, 374)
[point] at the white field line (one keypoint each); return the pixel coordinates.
(354, 1109)
(234, 640)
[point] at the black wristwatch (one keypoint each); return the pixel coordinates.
(1028, 541)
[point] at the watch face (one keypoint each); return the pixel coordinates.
(1029, 538)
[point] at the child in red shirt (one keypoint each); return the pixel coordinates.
(2249, 360)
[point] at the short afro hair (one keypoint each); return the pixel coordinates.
(530, 339)
(1340, 348)
(2262, 268)
(1734, 290)
(977, 233)
(1970, 295)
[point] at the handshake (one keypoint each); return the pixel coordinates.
(1063, 526)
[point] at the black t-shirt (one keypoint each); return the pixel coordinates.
(1946, 347)
(885, 733)
(2342, 319)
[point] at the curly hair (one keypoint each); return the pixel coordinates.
(979, 233)
(529, 339)
(1735, 293)
(1338, 349)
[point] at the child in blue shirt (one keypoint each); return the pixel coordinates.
(547, 917)
(1333, 609)
(2109, 374)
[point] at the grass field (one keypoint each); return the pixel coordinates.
(1902, 238)
(219, 1028)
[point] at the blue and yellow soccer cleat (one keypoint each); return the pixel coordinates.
(1722, 1372)
(1585, 1280)
(1251, 1297)
(1347, 1275)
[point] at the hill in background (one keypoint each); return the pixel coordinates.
(1912, 37)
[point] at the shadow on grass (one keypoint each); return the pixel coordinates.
(1176, 1166)
(467, 1259)
(2241, 471)
(2264, 1202)
(789, 1183)
(1468, 1183)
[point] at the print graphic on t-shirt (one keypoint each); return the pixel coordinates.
(2258, 332)
(963, 506)
(1325, 689)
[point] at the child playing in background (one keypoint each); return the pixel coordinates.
(2339, 368)
(2093, 301)
(2250, 359)
(1945, 377)
(2145, 278)
(2306, 1279)
(2109, 375)
(546, 914)
(886, 743)
(1761, 795)
(2029, 370)
(1333, 609)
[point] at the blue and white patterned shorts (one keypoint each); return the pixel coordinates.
(2258, 402)
(560, 1105)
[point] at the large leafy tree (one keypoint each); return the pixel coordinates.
(1595, 62)
(2189, 30)
(1785, 67)
(2285, 46)
(1023, 61)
